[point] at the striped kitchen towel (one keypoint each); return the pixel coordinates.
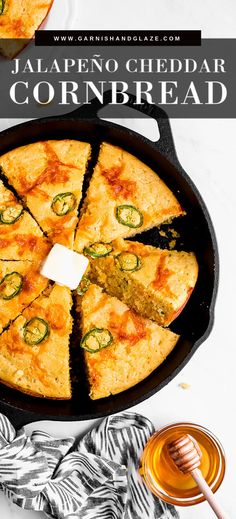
(97, 478)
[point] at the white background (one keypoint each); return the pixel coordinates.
(206, 149)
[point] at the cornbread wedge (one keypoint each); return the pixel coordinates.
(20, 236)
(34, 350)
(125, 197)
(20, 284)
(121, 348)
(49, 176)
(156, 283)
(18, 21)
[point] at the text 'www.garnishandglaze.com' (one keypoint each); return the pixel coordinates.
(115, 39)
(118, 38)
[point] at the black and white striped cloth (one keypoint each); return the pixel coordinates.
(96, 479)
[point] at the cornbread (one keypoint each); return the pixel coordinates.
(20, 236)
(20, 284)
(34, 350)
(18, 21)
(129, 292)
(158, 287)
(134, 346)
(48, 175)
(125, 197)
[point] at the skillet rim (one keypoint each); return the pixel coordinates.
(22, 416)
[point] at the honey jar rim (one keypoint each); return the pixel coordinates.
(194, 499)
(190, 424)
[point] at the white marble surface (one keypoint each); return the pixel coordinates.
(206, 149)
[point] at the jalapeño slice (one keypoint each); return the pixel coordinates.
(98, 250)
(63, 203)
(129, 215)
(11, 285)
(128, 261)
(35, 331)
(10, 214)
(2, 2)
(96, 340)
(83, 286)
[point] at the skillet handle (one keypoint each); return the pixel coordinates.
(165, 144)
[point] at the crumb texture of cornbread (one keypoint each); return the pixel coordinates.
(120, 179)
(158, 289)
(22, 239)
(48, 176)
(139, 345)
(20, 284)
(34, 366)
(19, 21)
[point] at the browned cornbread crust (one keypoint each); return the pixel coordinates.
(119, 179)
(158, 289)
(18, 22)
(139, 345)
(42, 369)
(43, 170)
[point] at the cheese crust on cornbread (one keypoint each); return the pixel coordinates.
(156, 283)
(125, 197)
(136, 347)
(19, 20)
(20, 284)
(49, 175)
(34, 350)
(20, 236)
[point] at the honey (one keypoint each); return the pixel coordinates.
(163, 477)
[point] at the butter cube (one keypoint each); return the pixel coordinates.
(64, 266)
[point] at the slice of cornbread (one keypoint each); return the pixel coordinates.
(34, 350)
(125, 197)
(49, 175)
(18, 21)
(20, 284)
(20, 236)
(132, 346)
(154, 282)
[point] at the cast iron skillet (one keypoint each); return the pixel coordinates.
(197, 233)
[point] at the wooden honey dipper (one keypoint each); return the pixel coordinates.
(186, 454)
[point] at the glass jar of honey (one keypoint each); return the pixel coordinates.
(163, 477)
